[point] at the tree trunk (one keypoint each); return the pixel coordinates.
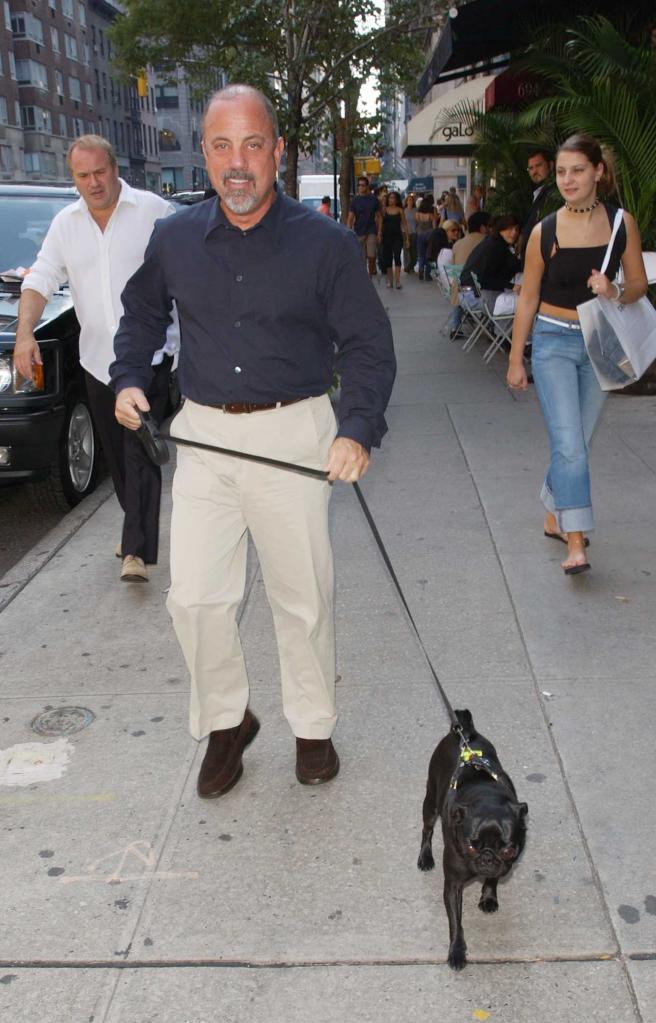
(291, 173)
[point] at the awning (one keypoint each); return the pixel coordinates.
(425, 135)
(485, 32)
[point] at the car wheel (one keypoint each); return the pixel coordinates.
(75, 469)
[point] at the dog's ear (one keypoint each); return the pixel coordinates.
(522, 809)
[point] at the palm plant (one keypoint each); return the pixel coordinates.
(602, 84)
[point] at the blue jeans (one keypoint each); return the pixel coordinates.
(571, 401)
(422, 245)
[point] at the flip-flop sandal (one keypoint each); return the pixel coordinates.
(558, 536)
(577, 569)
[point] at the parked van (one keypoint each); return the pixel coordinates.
(313, 187)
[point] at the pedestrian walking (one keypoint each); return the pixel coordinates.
(474, 203)
(410, 252)
(363, 219)
(393, 237)
(96, 244)
(453, 207)
(259, 326)
(563, 257)
(324, 207)
(427, 220)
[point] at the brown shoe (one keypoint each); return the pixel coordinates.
(134, 570)
(222, 767)
(316, 761)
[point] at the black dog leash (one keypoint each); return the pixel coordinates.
(154, 441)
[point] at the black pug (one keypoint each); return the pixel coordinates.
(483, 825)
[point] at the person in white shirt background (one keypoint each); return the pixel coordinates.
(96, 244)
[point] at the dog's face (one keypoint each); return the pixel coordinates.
(488, 838)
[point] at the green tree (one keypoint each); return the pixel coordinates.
(307, 55)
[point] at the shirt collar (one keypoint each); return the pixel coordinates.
(270, 222)
(126, 195)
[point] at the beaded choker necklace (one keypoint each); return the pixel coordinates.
(582, 209)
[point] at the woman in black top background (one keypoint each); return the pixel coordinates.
(555, 281)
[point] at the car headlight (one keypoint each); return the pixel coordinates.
(6, 366)
(12, 382)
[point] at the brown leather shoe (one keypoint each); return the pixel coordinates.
(222, 767)
(316, 761)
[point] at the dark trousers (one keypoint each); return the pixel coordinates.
(137, 480)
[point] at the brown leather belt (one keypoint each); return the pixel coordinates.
(240, 407)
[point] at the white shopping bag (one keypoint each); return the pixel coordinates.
(620, 340)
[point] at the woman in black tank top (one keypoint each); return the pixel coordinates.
(562, 270)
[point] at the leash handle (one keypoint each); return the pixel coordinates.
(390, 568)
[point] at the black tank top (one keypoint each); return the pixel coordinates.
(391, 227)
(567, 271)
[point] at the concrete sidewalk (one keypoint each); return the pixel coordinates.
(128, 900)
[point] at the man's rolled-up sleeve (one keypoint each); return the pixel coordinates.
(365, 349)
(146, 317)
(48, 271)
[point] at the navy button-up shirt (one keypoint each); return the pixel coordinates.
(265, 314)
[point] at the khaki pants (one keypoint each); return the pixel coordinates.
(217, 500)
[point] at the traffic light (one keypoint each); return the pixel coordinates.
(368, 165)
(142, 84)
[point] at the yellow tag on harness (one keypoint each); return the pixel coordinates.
(466, 754)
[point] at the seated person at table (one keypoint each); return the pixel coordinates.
(494, 261)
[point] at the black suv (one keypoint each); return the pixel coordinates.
(46, 432)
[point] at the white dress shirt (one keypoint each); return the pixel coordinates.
(97, 265)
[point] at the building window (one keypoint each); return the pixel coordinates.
(88, 94)
(59, 83)
(31, 163)
(122, 137)
(82, 14)
(74, 90)
(167, 97)
(6, 159)
(4, 116)
(104, 85)
(85, 53)
(67, 8)
(101, 37)
(7, 16)
(78, 127)
(96, 75)
(12, 66)
(26, 26)
(31, 72)
(52, 4)
(54, 39)
(36, 119)
(62, 125)
(168, 141)
(70, 45)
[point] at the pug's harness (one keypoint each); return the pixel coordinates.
(469, 757)
(154, 442)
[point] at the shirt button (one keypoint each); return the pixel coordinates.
(243, 234)
(239, 278)
(237, 323)
(237, 369)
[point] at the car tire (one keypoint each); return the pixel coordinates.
(75, 470)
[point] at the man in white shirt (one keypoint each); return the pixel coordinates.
(96, 244)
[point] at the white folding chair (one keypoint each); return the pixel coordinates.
(502, 322)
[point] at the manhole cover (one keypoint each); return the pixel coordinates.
(62, 720)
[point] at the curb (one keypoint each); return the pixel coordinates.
(20, 574)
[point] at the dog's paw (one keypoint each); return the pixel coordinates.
(425, 861)
(457, 955)
(488, 904)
